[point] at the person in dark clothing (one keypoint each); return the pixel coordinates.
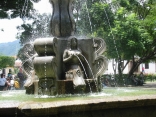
(21, 79)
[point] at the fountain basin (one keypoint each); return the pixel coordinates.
(105, 104)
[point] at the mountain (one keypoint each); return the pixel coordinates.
(10, 48)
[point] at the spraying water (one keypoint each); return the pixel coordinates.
(85, 72)
(91, 71)
(25, 6)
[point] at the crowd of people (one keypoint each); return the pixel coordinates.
(11, 82)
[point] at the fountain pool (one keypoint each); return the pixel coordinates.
(20, 96)
(112, 102)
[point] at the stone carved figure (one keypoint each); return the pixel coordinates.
(100, 61)
(31, 84)
(73, 59)
(63, 70)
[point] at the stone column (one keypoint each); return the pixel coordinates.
(62, 21)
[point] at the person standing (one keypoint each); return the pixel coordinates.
(7, 86)
(3, 82)
(20, 75)
(143, 69)
(12, 84)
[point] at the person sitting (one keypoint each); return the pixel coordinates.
(134, 80)
(17, 84)
(8, 85)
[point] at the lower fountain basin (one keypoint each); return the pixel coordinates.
(112, 102)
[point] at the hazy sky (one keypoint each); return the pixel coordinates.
(8, 29)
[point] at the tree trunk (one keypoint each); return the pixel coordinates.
(134, 66)
(120, 80)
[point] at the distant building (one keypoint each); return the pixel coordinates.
(149, 68)
(18, 64)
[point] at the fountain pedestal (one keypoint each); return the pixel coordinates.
(59, 58)
(65, 57)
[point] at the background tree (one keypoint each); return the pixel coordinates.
(16, 8)
(6, 61)
(128, 27)
(38, 28)
(142, 34)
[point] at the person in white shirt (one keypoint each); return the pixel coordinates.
(12, 84)
(3, 81)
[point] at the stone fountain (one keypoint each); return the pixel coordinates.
(66, 64)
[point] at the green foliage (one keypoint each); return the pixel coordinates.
(16, 8)
(26, 34)
(150, 77)
(131, 37)
(127, 26)
(37, 29)
(6, 61)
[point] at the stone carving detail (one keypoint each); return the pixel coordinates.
(31, 84)
(73, 59)
(62, 22)
(100, 46)
(100, 61)
(65, 64)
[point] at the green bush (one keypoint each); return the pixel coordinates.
(150, 77)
